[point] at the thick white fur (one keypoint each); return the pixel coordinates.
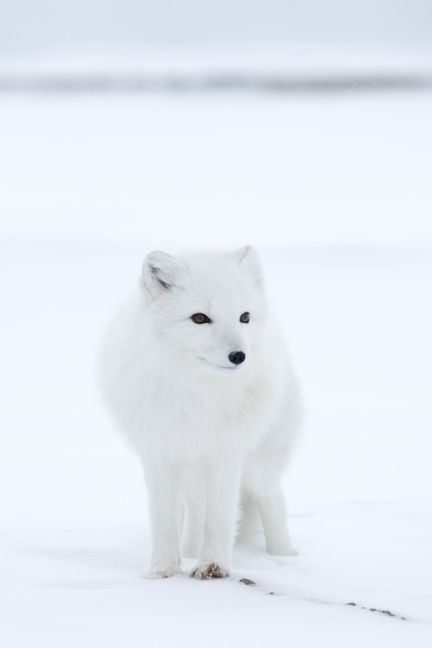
(213, 437)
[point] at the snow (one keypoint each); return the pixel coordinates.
(316, 169)
(280, 58)
(336, 193)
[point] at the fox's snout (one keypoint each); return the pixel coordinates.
(237, 357)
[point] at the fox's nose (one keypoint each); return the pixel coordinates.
(236, 357)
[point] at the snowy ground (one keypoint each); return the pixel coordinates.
(305, 180)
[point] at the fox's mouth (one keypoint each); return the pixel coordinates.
(228, 367)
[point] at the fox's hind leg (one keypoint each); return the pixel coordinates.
(250, 519)
(273, 515)
(261, 479)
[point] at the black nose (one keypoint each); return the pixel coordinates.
(236, 357)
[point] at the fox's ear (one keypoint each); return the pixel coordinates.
(160, 272)
(249, 259)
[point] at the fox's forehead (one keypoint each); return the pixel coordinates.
(219, 281)
(222, 281)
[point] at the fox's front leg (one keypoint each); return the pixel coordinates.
(164, 509)
(195, 506)
(222, 496)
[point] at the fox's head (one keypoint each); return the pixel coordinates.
(207, 309)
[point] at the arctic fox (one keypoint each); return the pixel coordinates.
(195, 373)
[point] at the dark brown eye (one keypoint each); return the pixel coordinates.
(244, 317)
(200, 318)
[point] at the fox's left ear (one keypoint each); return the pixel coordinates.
(160, 273)
(249, 259)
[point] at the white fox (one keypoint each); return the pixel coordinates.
(196, 375)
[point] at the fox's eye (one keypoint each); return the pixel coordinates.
(200, 318)
(244, 317)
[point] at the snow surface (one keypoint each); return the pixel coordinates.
(336, 193)
(287, 59)
(274, 169)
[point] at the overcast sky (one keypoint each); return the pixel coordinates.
(32, 25)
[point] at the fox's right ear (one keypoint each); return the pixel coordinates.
(249, 259)
(160, 272)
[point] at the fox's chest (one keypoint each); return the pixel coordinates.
(187, 421)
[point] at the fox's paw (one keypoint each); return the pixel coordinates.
(207, 571)
(162, 572)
